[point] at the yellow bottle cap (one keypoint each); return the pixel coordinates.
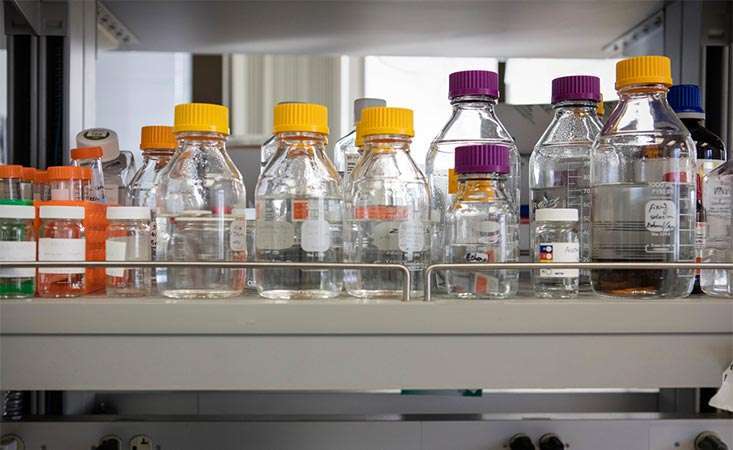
(386, 120)
(204, 117)
(359, 140)
(157, 136)
(300, 117)
(644, 70)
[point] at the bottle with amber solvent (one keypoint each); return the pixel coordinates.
(299, 208)
(643, 187)
(388, 213)
(200, 201)
(482, 224)
(62, 237)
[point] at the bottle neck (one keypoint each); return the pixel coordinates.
(585, 107)
(387, 143)
(158, 154)
(203, 138)
(468, 102)
(636, 91)
(302, 143)
(473, 185)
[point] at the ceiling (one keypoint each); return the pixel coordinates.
(521, 28)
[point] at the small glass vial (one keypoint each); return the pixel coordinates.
(388, 211)
(66, 183)
(128, 239)
(91, 157)
(26, 183)
(482, 224)
(10, 176)
(556, 240)
(41, 188)
(17, 243)
(62, 237)
(299, 208)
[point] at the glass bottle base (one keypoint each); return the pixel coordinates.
(309, 294)
(199, 293)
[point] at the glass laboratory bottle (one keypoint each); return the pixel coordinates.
(559, 167)
(128, 239)
(482, 224)
(10, 176)
(66, 183)
(199, 197)
(62, 237)
(299, 208)
(388, 213)
(118, 166)
(642, 187)
(556, 239)
(711, 153)
(473, 95)
(718, 247)
(17, 243)
(345, 151)
(41, 188)
(26, 183)
(157, 144)
(91, 157)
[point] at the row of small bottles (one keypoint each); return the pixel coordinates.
(626, 193)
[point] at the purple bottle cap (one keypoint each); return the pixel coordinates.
(482, 158)
(473, 82)
(576, 87)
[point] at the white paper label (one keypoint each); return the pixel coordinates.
(17, 251)
(275, 235)
(661, 216)
(488, 232)
(351, 160)
(386, 236)
(112, 194)
(716, 198)
(238, 235)
(53, 249)
(115, 250)
(412, 236)
(315, 236)
(723, 399)
(559, 252)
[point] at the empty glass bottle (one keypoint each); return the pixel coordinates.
(128, 239)
(473, 95)
(92, 157)
(642, 185)
(482, 224)
(118, 166)
(718, 212)
(685, 100)
(299, 208)
(556, 240)
(199, 195)
(388, 215)
(10, 176)
(559, 168)
(345, 151)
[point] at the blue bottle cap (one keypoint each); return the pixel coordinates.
(685, 98)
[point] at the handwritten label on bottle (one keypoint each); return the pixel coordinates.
(57, 249)
(315, 236)
(238, 235)
(559, 252)
(115, 250)
(660, 216)
(17, 251)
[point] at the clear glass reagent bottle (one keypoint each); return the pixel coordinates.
(128, 239)
(556, 240)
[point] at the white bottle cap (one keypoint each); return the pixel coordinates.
(128, 213)
(62, 212)
(556, 215)
(361, 103)
(17, 212)
(100, 137)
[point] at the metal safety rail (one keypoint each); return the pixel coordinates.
(406, 275)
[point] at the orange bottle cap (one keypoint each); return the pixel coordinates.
(157, 137)
(11, 171)
(86, 153)
(64, 173)
(29, 173)
(86, 173)
(40, 177)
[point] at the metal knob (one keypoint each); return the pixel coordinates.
(521, 442)
(551, 441)
(707, 440)
(11, 442)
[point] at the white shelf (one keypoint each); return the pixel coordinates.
(250, 344)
